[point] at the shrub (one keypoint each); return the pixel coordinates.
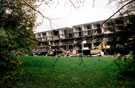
(126, 64)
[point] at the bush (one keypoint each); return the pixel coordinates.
(126, 64)
(8, 65)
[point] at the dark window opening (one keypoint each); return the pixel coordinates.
(44, 34)
(70, 35)
(70, 47)
(79, 28)
(85, 45)
(79, 33)
(88, 26)
(119, 21)
(98, 25)
(56, 33)
(98, 28)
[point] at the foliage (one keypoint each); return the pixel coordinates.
(126, 8)
(16, 36)
(126, 65)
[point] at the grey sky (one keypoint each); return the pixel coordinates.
(66, 16)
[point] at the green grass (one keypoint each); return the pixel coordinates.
(53, 72)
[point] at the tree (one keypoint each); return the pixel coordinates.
(126, 9)
(16, 35)
(17, 20)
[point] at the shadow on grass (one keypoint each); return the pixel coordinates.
(56, 60)
(127, 78)
(81, 61)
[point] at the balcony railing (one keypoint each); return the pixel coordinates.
(91, 32)
(56, 38)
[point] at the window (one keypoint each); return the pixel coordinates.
(70, 35)
(70, 47)
(88, 26)
(79, 28)
(85, 45)
(56, 33)
(44, 34)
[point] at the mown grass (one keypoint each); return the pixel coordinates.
(73, 72)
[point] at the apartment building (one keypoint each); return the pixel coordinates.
(83, 38)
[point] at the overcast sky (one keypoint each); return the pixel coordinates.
(66, 16)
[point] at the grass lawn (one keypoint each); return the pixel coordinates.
(73, 72)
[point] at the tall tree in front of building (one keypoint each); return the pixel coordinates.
(126, 11)
(16, 36)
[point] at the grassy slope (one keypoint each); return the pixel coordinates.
(52, 72)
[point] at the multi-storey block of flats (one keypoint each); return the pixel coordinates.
(117, 32)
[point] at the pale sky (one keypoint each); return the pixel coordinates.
(67, 16)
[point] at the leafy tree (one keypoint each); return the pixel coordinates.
(126, 8)
(16, 36)
(17, 20)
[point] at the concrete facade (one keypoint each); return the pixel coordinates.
(85, 37)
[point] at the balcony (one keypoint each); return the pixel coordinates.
(77, 34)
(56, 38)
(44, 39)
(91, 32)
(49, 38)
(62, 36)
(55, 44)
(85, 33)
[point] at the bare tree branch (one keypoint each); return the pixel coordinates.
(46, 3)
(93, 3)
(40, 13)
(72, 3)
(118, 11)
(39, 4)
